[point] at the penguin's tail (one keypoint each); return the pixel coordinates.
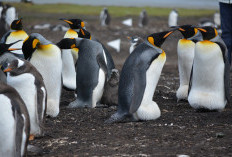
(116, 117)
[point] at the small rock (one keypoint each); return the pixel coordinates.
(220, 135)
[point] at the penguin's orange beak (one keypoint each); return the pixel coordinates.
(68, 22)
(201, 29)
(8, 69)
(128, 37)
(12, 49)
(166, 35)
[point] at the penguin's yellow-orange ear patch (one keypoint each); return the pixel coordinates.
(162, 54)
(76, 50)
(90, 38)
(82, 32)
(151, 40)
(181, 29)
(82, 24)
(68, 22)
(216, 32)
(73, 46)
(166, 35)
(34, 43)
(195, 30)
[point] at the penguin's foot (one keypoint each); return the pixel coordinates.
(31, 137)
(77, 104)
(116, 117)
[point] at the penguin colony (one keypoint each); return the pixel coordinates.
(36, 69)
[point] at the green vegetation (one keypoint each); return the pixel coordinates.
(114, 11)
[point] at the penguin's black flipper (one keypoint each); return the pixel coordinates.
(226, 70)
(139, 87)
(102, 64)
(190, 79)
(19, 130)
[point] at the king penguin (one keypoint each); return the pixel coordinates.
(105, 17)
(83, 33)
(210, 79)
(143, 18)
(28, 82)
(46, 57)
(14, 122)
(69, 56)
(91, 72)
(173, 18)
(138, 80)
(75, 25)
(185, 52)
(15, 34)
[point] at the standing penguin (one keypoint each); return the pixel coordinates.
(46, 57)
(210, 79)
(91, 72)
(105, 17)
(69, 56)
(14, 122)
(15, 34)
(138, 80)
(173, 18)
(25, 78)
(185, 52)
(143, 19)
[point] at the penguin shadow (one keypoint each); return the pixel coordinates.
(204, 110)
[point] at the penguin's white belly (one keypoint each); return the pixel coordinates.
(7, 129)
(132, 47)
(68, 70)
(50, 67)
(24, 137)
(207, 89)
(98, 90)
(149, 110)
(185, 51)
(16, 45)
(24, 84)
(172, 20)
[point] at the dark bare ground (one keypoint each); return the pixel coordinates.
(179, 130)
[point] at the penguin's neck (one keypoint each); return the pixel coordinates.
(197, 37)
(159, 50)
(18, 35)
(71, 33)
(47, 50)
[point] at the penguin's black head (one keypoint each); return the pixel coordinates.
(208, 32)
(30, 44)
(187, 31)
(67, 43)
(17, 25)
(75, 23)
(6, 47)
(84, 34)
(157, 39)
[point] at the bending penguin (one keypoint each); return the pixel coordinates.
(91, 72)
(185, 52)
(210, 79)
(109, 60)
(46, 57)
(15, 34)
(14, 122)
(138, 80)
(28, 82)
